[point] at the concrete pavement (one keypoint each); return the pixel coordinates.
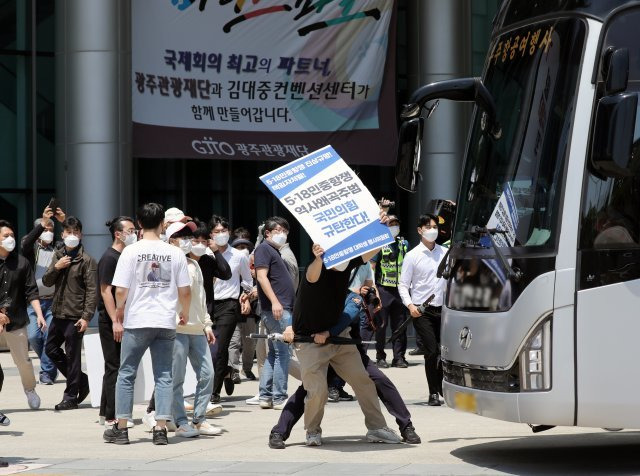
(47, 442)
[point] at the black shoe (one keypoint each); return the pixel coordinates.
(382, 364)
(229, 386)
(66, 405)
(4, 464)
(276, 441)
(417, 351)
(236, 378)
(215, 398)
(434, 400)
(82, 394)
(115, 435)
(410, 436)
(334, 394)
(249, 374)
(160, 437)
(400, 364)
(344, 396)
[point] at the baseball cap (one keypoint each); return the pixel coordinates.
(177, 226)
(174, 214)
(242, 241)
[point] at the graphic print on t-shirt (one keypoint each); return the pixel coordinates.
(153, 271)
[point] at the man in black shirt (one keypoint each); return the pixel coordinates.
(318, 308)
(123, 233)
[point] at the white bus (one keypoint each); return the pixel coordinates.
(541, 322)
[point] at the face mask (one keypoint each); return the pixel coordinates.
(341, 267)
(279, 239)
(46, 237)
(394, 230)
(71, 241)
(199, 249)
(221, 239)
(130, 239)
(186, 246)
(430, 235)
(9, 243)
(245, 252)
(163, 237)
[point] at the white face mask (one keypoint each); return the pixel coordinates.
(186, 246)
(221, 239)
(394, 230)
(279, 239)
(71, 241)
(199, 249)
(430, 235)
(46, 237)
(341, 266)
(130, 239)
(9, 243)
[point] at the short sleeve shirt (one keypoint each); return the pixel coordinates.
(106, 269)
(152, 271)
(362, 273)
(266, 256)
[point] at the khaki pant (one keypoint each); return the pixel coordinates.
(19, 347)
(345, 360)
(261, 355)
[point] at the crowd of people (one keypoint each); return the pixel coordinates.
(191, 292)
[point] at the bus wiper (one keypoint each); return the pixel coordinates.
(479, 231)
(444, 270)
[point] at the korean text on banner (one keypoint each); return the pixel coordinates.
(331, 203)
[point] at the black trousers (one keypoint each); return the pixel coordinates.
(392, 314)
(428, 328)
(226, 316)
(111, 354)
(68, 361)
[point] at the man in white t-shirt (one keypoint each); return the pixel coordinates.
(150, 279)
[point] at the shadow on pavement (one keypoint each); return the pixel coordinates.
(592, 453)
(350, 444)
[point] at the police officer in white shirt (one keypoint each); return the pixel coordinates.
(418, 281)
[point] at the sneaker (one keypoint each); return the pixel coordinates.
(434, 400)
(417, 351)
(253, 400)
(383, 435)
(186, 431)
(116, 435)
(213, 409)
(279, 405)
(249, 374)
(229, 386)
(236, 377)
(110, 423)
(410, 436)
(276, 441)
(101, 420)
(215, 398)
(382, 364)
(344, 396)
(266, 404)
(45, 379)
(32, 399)
(207, 429)
(66, 405)
(171, 426)
(4, 420)
(400, 364)
(160, 436)
(314, 438)
(149, 419)
(334, 394)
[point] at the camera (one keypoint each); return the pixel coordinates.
(371, 298)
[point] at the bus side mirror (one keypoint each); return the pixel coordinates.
(613, 134)
(615, 70)
(409, 142)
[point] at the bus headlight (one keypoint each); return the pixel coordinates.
(535, 359)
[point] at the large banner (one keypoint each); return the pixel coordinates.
(263, 79)
(332, 205)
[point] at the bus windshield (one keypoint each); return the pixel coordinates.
(514, 183)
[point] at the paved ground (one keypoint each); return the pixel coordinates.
(46, 442)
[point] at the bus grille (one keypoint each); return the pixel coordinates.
(507, 381)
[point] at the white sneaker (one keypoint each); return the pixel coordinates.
(253, 400)
(32, 399)
(171, 426)
(266, 404)
(383, 435)
(186, 431)
(213, 409)
(149, 419)
(314, 438)
(207, 429)
(279, 405)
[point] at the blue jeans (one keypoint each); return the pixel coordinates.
(196, 349)
(38, 339)
(275, 373)
(134, 344)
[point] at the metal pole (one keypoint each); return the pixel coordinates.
(34, 109)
